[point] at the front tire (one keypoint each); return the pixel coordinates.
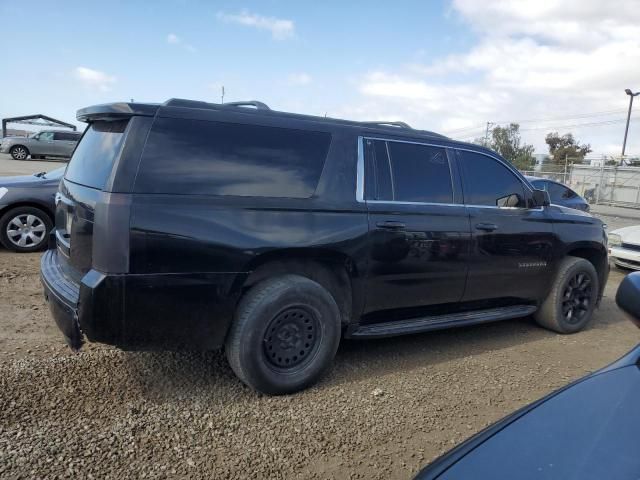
(25, 229)
(284, 336)
(18, 152)
(569, 306)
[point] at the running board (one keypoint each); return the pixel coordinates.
(437, 322)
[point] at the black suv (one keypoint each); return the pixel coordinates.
(273, 235)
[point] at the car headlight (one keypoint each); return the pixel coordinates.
(615, 240)
(3, 191)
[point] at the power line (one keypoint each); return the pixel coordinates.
(545, 119)
(568, 117)
(587, 124)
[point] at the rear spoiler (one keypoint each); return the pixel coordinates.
(116, 111)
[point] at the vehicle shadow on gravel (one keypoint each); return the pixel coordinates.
(162, 376)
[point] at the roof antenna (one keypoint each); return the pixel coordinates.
(222, 96)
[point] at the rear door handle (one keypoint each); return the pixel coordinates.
(391, 225)
(487, 227)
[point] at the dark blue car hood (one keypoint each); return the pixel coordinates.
(586, 431)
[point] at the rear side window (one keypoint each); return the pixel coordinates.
(214, 158)
(93, 158)
(408, 172)
(488, 182)
(67, 136)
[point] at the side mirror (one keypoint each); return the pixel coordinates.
(541, 198)
(628, 296)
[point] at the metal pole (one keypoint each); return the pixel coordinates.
(486, 135)
(626, 130)
(222, 95)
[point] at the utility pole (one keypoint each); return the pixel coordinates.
(626, 130)
(486, 134)
(222, 95)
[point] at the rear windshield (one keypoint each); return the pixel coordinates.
(213, 158)
(93, 158)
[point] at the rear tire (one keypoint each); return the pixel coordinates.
(19, 152)
(25, 229)
(284, 336)
(569, 306)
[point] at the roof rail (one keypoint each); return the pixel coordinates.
(389, 124)
(249, 103)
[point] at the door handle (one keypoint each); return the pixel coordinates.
(487, 227)
(391, 225)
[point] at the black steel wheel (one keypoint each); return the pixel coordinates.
(284, 335)
(569, 306)
(291, 338)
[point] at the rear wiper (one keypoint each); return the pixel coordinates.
(39, 174)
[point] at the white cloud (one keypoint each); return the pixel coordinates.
(94, 79)
(532, 60)
(280, 29)
(299, 79)
(173, 39)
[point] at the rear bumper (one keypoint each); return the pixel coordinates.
(62, 297)
(154, 311)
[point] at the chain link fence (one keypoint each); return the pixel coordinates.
(598, 184)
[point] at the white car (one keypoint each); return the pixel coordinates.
(624, 247)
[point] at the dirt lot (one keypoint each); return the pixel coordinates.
(104, 413)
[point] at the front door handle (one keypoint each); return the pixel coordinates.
(391, 225)
(487, 227)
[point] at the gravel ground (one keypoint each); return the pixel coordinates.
(386, 409)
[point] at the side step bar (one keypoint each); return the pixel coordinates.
(438, 322)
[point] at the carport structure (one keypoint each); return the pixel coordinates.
(39, 120)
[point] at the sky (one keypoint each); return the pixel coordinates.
(449, 66)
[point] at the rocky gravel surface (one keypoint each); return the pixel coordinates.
(387, 407)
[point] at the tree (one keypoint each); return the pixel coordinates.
(565, 147)
(507, 142)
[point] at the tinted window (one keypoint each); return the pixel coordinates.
(488, 182)
(200, 157)
(379, 168)
(67, 136)
(559, 192)
(93, 158)
(408, 172)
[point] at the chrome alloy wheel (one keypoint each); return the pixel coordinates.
(26, 230)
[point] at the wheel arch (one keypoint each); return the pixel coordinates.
(30, 203)
(20, 145)
(596, 254)
(331, 269)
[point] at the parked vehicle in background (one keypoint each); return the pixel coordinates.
(587, 430)
(47, 143)
(624, 247)
(560, 194)
(27, 206)
(275, 235)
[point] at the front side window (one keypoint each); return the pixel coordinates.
(45, 136)
(216, 158)
(94, 156)
(409, 172)
(488, 182)
(559, 192)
